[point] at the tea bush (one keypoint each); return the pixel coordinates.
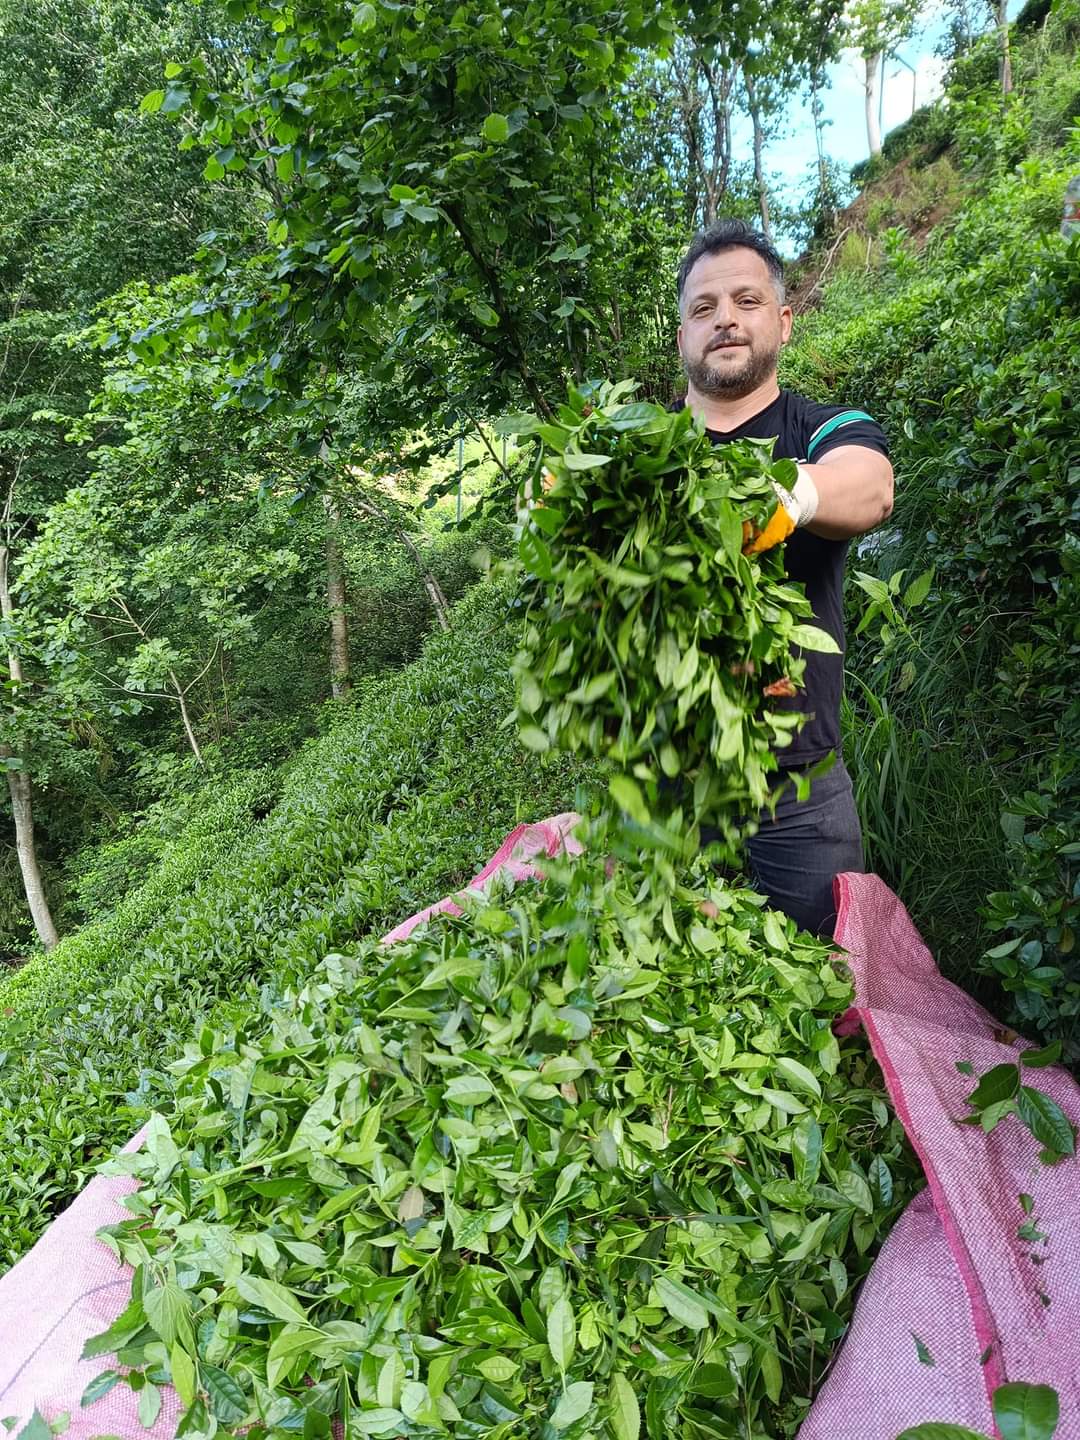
(972, 361)
(404, 798)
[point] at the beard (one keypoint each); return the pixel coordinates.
(732, 380)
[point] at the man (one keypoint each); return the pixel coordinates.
(734, 320)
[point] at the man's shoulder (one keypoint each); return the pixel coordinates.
(817, 428)
(812, 412)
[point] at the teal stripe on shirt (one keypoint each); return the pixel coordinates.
(846, 417)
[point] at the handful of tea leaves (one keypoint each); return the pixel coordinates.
(588, 1161)
(652, 640)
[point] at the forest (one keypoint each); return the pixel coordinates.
(296, 297)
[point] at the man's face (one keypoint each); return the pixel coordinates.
(732, 324)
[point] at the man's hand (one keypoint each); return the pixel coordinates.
(780, 525)
(797, 507)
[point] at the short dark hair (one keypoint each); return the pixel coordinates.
(731, 235)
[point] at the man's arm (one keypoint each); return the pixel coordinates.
(855, 491)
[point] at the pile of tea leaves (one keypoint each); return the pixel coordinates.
(653, 640)
(587, 1161)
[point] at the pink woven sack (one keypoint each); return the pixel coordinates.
(952, 1273)
(987, 1306)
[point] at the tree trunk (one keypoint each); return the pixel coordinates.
(22, 805)
(823, 176)
(436, 594)
(22, 798)
(1005, 61)
(718, 82)
(873, 65)
(759, 144)
(336, 600)
(185, 715)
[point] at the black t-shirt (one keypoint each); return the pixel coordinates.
(807, 432)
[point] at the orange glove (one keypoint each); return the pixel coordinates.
(547, 481)
(797, 506)
(780, 525)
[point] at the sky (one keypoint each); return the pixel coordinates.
(789, 157)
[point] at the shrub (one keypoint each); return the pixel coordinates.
(404, 798)
(106, 874)
(970, 360)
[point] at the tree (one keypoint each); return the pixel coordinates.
(90, 193)
(703, 78)
(794, 44)
(14, 763)
(876, 26)
(437, 183)
(1000, 11)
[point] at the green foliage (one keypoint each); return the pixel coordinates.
(595, 1145)
(108, 873)
(1040, 914)
(402, 800)
(652, 638)
(148, 873)
(410, 226)
(925, 135)
(1021, 1412)
(1002, 1092)
(390, 612)
(959, 732)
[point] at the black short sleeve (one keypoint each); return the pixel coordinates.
(833, 426)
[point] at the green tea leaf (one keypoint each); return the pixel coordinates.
(1037, 1059)
(99, 1386)
(999, 1083)
(1046, 1120)
(854, 1188)
(499, 1368)
(576, 1401)
(681, 1303)
(378, 1421)
(149, 1405)
(812, 637)
(799, 1075)
(290, 1341)
(627, 795)
(584, 460)
(624, 1414)
(271, 1297)
(468, 1090)
(1026, 1412)
(182, 1368)
(561, 1332)
(227, 1400)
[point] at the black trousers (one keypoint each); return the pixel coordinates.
(795, 855)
